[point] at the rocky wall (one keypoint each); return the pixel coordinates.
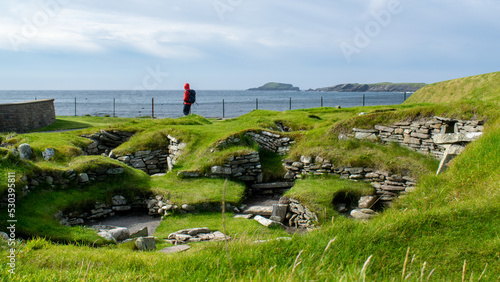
(246, 168)
(386, 186)
(420, 136)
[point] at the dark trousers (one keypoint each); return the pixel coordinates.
(187, 109)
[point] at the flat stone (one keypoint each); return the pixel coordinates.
(25, 151)
(264, 221)
(175, 249)
(366, 202)
(120, 233)
(118, 200)
(114, 171)
(245, 216)
(259, 210)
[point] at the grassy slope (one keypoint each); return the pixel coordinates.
(485, 88)
(448, 226)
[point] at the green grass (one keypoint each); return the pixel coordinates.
(446, 230)
(484, 88)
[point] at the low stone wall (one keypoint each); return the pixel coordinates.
(246, 168)
(149, 161)
(386, 186)
(419, 135)
(267, 140)
(105, 141)
(26, 116)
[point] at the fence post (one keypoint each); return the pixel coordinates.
(290, 103)
(152, 107)
(114, 107)
(75, 106)
(322, 101)
(223, 109)
(363, 99)
(404, 97)
(256, 103)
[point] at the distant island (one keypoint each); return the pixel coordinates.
(274, 86)
(375, 87)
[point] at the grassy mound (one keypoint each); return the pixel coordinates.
(484, 88)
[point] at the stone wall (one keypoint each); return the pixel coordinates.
(246, 168)
(267, 140)
(420, 135)
(149, 161)
(386, 186)
(26, 116)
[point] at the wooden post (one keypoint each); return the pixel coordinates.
(152, 107)
(290, 103)
(223, 109)
(363, 99)
(322, 101)
(75, 106)
(256, 103)
(114, 107)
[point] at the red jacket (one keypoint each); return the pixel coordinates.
(186, 94)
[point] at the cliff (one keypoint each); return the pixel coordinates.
(376, 87)
(274, 86)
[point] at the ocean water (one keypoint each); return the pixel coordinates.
(210, 103)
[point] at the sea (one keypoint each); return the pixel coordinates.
(209, 103)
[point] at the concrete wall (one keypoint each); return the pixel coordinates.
(26, 116)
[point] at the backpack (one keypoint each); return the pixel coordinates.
(192, 96)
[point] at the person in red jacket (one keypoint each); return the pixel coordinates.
(187, 104)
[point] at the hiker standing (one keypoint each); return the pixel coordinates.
(189, 99)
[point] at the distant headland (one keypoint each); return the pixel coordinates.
(274, 86)
(375, 87)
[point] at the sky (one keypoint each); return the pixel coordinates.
(239, 44)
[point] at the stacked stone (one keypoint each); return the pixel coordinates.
(246, 168)
(267, 140)
(65, 179)
(100, 210)
(387, 186)
(156, 161)
(163, 207)
(151, 162)
(299, 215)
(106, 141)
(271, 142)
(418, 135)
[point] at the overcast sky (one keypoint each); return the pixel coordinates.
(238, 44)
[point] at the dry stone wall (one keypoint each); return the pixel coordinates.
(26, 116)
(246, 168)
(267, 140)
(421, 135)
(386, 186)
(149, 161)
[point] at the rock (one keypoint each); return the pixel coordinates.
(48, 154)
(25, 151)
(366, 202)
(145, 243)
(4, 236)
(120, 233)
(279, 212)
(188, 174)
(306, 159)
(259, 210)
(118, 200)
(116, 170)
(141, 233)
(107, 236)
(196, 231)
(83, 177)
(363, 213)
(245, 216)
(451, 152)
(49, 180)
(266, 222)
(175, 249)
(187, 207)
